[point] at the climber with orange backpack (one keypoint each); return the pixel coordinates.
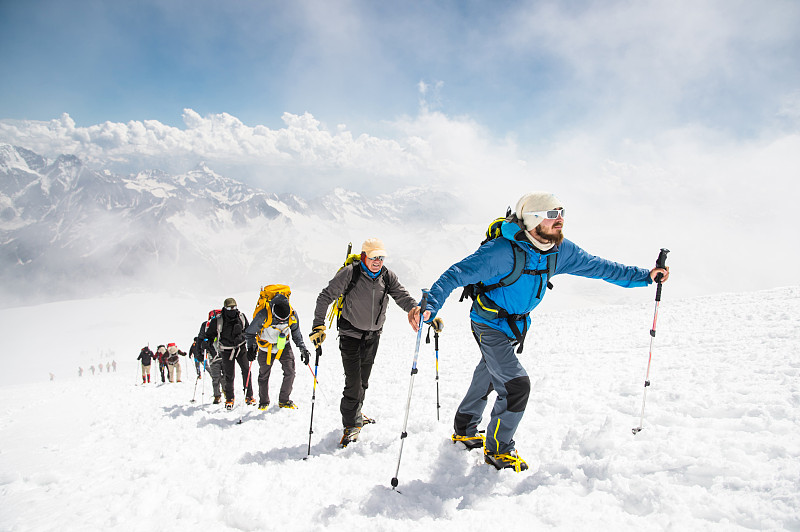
(274, 320)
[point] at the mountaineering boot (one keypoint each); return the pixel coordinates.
(229, 405)
(470, 442)
(249, 401)
(143, 380)
(367, 420)
(263, 406)
(217, 399)
(505, 461)
(288, 404)
(350, 435)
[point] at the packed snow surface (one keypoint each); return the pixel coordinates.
(719, 449)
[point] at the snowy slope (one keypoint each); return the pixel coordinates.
(719, 449)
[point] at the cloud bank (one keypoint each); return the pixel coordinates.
(718, 201)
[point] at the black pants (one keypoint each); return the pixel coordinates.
(357, 359)
(228, 371)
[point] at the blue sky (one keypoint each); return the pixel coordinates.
(528, 69)
(673, 120)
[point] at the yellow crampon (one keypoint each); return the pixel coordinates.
(505, 460)
(470, 442)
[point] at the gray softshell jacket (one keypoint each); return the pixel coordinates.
(363, 307)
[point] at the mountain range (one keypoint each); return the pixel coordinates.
(68, 230)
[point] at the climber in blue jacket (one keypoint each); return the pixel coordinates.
(507, 278)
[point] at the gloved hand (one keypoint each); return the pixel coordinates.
(251, 352)
(437, 324)
(317, 335)
(305, 356)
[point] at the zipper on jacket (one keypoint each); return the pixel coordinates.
(372, 312)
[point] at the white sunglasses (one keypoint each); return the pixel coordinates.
(550, 215)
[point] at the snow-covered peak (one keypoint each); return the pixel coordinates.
(152, 225)
(10, 159)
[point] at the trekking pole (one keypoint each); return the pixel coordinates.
(316, 381)
(203, 393)
(249, 370)
(660, 263)
(403, 434)
(313, 400)
(195, 390)
(436, 347)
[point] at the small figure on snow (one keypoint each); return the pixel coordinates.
(146, 356)
(225, 336)
(212, 360)
(161, 356)
(173, 362)
(194, 354)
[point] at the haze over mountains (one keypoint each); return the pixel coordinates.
(68, 230)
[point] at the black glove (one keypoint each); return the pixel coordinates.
(305, 356)
(199, 357)
(251, 353)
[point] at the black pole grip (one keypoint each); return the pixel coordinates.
(424, 303)
(319, 354)
(661, 262)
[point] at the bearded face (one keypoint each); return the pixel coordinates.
(550, 231)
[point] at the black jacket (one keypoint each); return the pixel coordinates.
(228, 333)
(146, 356)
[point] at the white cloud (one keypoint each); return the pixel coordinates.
(717, 200)
(644, 66)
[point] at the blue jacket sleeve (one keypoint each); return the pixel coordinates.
(491, 259)
(575, 261)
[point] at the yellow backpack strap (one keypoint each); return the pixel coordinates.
(281, 344)
(268, 348)
(267, 322)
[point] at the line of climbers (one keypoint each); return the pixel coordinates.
(506, 278)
